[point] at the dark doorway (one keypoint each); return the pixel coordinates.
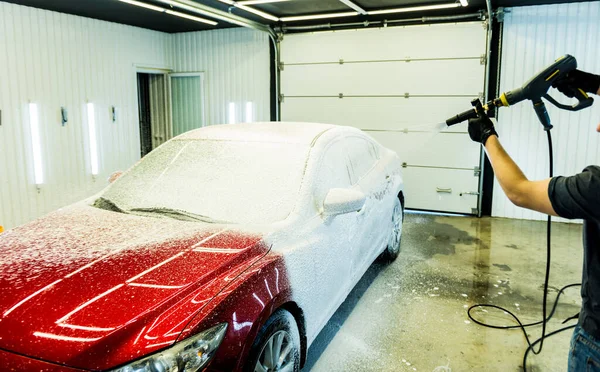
(143, 81)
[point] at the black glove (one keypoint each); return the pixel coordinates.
(577, 80)
(481, 129)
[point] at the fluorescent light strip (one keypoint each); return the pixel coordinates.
(168, 11)
(231, 118)
(249, 112)
(91, 116)
(143, 5)
(36, 143)
(414, 9)
(257, 2)
(257, 12)
(352, 5)
(319, 16)
(191, 17)
(464, 3)
(203, 12)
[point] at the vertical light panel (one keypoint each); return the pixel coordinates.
(231, 113)
(93, 138)
(236, 68)
(533, 37)
(249, 112)
(36, 143)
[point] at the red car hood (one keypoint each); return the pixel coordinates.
(92, 289)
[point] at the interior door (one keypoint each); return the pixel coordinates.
(187, 102)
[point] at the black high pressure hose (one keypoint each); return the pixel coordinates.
(545, 319)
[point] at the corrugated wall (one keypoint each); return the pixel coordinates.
(533, 37)
(236, 63)
(58, 60)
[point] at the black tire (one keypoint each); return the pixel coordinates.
(280, 324)
(393, 248)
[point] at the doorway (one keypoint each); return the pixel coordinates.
(169, 105)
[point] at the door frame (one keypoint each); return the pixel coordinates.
(203, 105)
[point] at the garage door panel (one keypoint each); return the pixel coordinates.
(440, 189)
(440, 40)
(437, 65)
(430, 149)
(454, 77)
(377, 113)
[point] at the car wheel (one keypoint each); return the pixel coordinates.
(277, 345)
(393, 247)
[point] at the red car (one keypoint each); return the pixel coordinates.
(228, 248)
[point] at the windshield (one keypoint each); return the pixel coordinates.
(213, 181)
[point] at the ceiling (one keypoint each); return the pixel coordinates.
(125, 13)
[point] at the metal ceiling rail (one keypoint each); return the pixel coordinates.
(326, 26)
(195, 7)
(343, 62)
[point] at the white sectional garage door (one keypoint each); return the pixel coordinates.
(395, 84)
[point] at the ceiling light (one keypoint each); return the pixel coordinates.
(414, 8)
(258, 12)
(256, 2)
(319, 16)
(191, 17)
(354, 6)
(143, 5)
(205, 12)
(464, 2)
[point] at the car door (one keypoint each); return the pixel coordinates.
(335, 234)
(371, 221)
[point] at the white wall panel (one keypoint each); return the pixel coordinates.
(534, 37)
(55, 60)
(236, 64)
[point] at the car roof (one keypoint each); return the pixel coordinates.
(274, 132)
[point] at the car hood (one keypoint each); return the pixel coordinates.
(93, 289)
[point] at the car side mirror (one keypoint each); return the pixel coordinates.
(113, 177)
(341, 201)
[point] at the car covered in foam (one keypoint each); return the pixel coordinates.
(227, 248)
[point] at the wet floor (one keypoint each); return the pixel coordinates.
(411, 315)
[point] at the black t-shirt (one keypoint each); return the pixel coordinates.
(579, 197)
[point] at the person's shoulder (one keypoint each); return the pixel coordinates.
(593, 169)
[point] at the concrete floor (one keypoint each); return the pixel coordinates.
(411, 315)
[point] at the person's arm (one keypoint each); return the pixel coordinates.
(521, 192)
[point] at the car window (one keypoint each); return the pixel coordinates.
(233, 181)
(363, 155)
(333, 171)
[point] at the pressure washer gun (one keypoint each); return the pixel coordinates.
(533, 90)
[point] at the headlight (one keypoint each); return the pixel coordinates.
(189, 355)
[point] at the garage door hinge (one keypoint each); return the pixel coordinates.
(500, 14)
(406, 95)
(341, 61)
(476, 171)
(404, 165)
(408, 59)
(482, 59)
(281, 98)
(481, 96)
(341, 95)
(281, 65)
(475, 211)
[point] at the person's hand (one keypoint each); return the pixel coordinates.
(481, 129)
(576, 79)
